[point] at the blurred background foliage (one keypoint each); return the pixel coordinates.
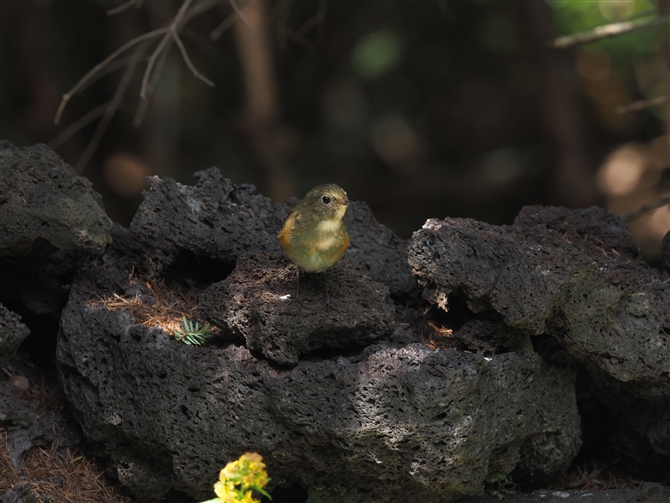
(421, 109)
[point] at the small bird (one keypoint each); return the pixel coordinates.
(314, 236)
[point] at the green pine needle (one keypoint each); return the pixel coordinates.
(193, 334)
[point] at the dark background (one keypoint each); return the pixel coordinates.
(422, 109)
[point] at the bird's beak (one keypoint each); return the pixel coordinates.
(346, 202)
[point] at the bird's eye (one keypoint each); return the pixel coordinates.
(325, 199)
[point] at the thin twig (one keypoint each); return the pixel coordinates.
(144, 103)
(638, 212)
(111, 109)
(79, 124)
(296, 37)
(169, 33)
(644, 104)
(312, 22)
(198, 40)
(223, 27)
(122, 7)
(77, 87)
(110, 68)
(316, 21)
(184, 54)
(605, 31)
(198, 8)
(172, 32)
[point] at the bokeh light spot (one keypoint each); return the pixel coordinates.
(124, 174)
(616, 11)
(395, 142)
(621, 172)
(377, 53)
(502, 165)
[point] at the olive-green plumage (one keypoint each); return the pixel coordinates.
(314, 236)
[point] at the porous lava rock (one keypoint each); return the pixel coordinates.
(43, 204)
(378, 251)
(213, 218)
(574, 274)
(665, 251)
(647, 493)
(12, 334)
(629, 427)
(262, 302)
(220, 220)
(25, 429)
(375, 424)
(38, 284)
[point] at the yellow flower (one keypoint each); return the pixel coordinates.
(238, 478)
(226, 491)
(231, 471)
(248, 498)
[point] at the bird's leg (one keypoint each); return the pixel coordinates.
(325, 279)
(297, 290)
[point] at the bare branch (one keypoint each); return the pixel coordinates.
(644, 104)
(638, 212)
(296, 37)
(84, 121)
(605, 31)
(198, 8)
(223, 27)
(169, 33)
(79, 124)
(144, 103)
(111, 109)
(110, 68)
(312, 22)
(316, 21)
(156, 62)
(172, 32)
(188, 61)
(99, 66)
(122, 7)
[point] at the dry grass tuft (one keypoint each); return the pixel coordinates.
(441, 338)
(44, 397)
(598, 479)
(168, 306)
(55, 477)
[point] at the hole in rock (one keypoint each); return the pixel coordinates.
(614, 453)
(41, 342)
(551, 350)
(439, 418)
(461, 328)
(292, 494)
(174, 496)
(38, 301)
(191, 270)
(332, 353)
